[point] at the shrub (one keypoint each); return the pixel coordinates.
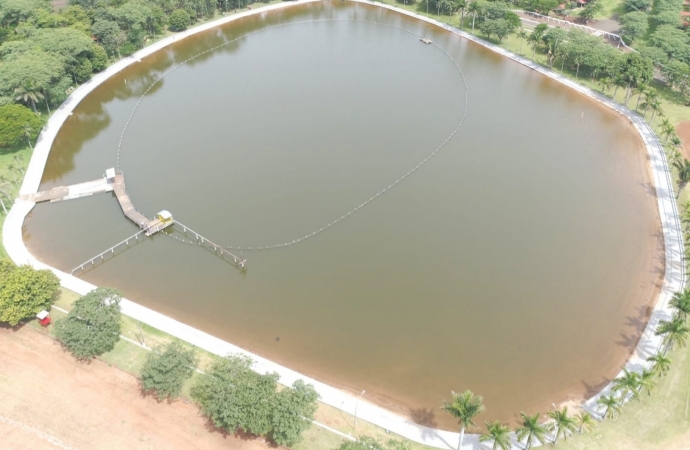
(166, 369)
(179, 20)
(15, 120)
(24, 291)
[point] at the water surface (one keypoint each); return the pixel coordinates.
(517, 263)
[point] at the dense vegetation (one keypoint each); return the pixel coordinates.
(166, 369)
(92, 327)
(24, 291)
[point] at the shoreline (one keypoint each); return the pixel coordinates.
(673, 273)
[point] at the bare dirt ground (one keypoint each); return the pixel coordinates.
(48, 400)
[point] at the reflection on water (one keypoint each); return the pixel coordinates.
(518, 263)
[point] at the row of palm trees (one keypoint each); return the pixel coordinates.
(466, 406)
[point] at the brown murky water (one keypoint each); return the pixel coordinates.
(518, 262)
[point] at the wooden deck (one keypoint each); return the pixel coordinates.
(79, 190)
(151, 226)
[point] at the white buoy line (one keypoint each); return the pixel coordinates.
(314, 232)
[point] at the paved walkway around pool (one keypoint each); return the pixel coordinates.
(649, 343)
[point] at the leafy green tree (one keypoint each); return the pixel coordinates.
(235, 397)
(292, 413)
(28, 92)
(497, 433)
(464, 407)
(563, 423)
(13, 121)
(179, 20)
(498, 27)
(671, 40)
(109, 35)
(661, 364)
(13, 12)
(474, 8)
(166, 369)
(536, 36)
(584, 422)
(676, 330)
(24, 291)
(610, 404)
(593, 8)
(99, 58)
(369, 443)
(92, 327)
(635, 24)
(530, 429)
(541, 6)
(637, 5)
(44, 68)
(82, 71)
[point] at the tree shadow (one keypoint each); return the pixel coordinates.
(423, 416)
(592, 389)
(239, 434)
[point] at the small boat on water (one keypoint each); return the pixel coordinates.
(425, 40)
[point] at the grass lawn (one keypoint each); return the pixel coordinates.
(610, 7)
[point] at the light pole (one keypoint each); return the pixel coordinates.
(356, 405)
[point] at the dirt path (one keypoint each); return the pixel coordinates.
(50, 401)
(683, 132)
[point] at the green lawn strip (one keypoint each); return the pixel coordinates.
(609, 8)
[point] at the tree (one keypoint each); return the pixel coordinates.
(683, 168)
(462, 4)
(109, 35)
(637, 5)
(179, 20)
(661, 364)
(584, 422)
(530, 429)
(536, 36)
(499, 27)
(24, 291)
(522, 35)
(464, 407)
(369, 443)
(647, 381)
(92, 327)
(593, 8)
(674, 331)
(634, 24)
(13, 123)
(42, 67)
(474, 8)
(28, 92)
(99, 58)
(498, 433)
(671, 40)
(292, 413)
(681, 303)
(610, 404)
(627, 385)
(563, 423)
(166, 369)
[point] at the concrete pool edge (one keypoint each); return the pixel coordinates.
(674, 268)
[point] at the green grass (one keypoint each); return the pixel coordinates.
(610, 7)
(11, 178)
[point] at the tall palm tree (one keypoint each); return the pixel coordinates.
(462, 4)
(498, 433)
(674, 331)
(605, 83)
(681, 303)
(522, 35)
(647, 381)
(27, 133)
(640, 91)
(667, 128)
(610, 404)
(563, 423)
(530, 429)
(618, 81)
(536, 36)
(655, 107)
(628, 384)
(683, 168)
(661, 365)
(28, 92)
(464, 407)
(584, 422)
(676, 141)
(473, 8)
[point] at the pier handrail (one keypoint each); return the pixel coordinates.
(111, 250)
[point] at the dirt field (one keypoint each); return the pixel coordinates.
(48, 400)
(683, 131)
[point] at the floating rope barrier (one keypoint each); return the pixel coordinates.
(314, 232)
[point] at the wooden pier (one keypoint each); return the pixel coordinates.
(151, 226)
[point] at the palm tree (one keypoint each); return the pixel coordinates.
(28, 92)
(610, 404)
(675, 141)
(563, 423)
(27, 133)
(667, 128)
(662, 364)
(681, 303)
(655, 107)
(531, 429)
(536, 36)
(464, 407)
(683, 168)
(462, 4)
(522, 35)
(473, 8)
(618, 81)
(674, 332)
(647, 381)
(584, 422)
(498, 433)
(640, 91)
(627, 385)
(605, 83)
